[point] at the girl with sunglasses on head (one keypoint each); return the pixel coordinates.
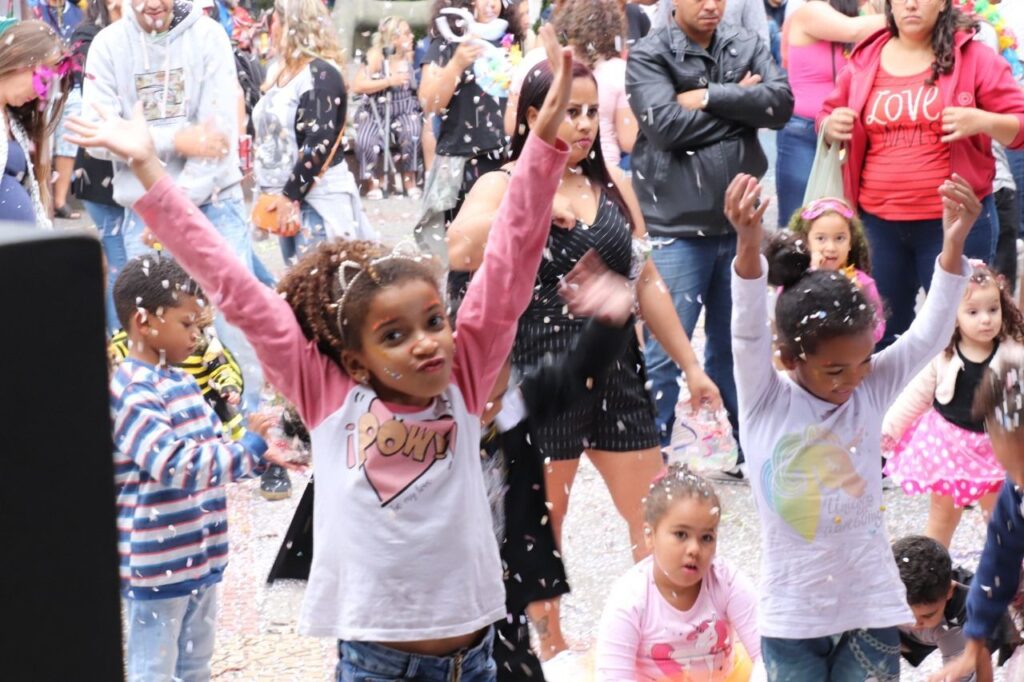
(32, 72)
(834, 236)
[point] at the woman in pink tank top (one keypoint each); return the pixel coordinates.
(816, 39)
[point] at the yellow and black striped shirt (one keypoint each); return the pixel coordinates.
(215, 370)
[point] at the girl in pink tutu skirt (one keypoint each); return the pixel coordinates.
(936, 444)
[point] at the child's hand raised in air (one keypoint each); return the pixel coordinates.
(552, 112)
(127, 138)
(592, 290)
(960, 209)
(745, 213)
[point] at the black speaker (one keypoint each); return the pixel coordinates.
(60, 602)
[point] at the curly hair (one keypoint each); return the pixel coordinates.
(152, 283)
(508, 13)
(595, 28)
(925, 569)
(313, 290)
(860, 256)
(815, 305)
(676, 482)
(950, 20)
(1013, 321)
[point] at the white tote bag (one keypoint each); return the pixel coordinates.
(826, 178)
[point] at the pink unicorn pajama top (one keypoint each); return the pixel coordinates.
(643, 638)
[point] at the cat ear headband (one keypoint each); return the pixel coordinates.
(350, 271)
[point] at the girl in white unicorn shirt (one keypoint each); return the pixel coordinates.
(830, 596)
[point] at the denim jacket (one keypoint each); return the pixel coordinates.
(683, 160)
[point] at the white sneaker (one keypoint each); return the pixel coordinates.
(565, 666)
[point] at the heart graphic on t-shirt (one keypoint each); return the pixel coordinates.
(395, 453)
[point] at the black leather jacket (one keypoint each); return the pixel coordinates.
(683, 160)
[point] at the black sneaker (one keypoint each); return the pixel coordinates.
(275, 483)
(734, 475)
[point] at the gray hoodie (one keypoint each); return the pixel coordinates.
(184, 76)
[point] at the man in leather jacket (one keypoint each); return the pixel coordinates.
(700, 90)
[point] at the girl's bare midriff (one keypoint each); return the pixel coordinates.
(437, 647)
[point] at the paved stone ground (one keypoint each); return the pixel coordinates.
(257, 637)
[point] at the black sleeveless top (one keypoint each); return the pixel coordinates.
(546, 328)
(609, 235)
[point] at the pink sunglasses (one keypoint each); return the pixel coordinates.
(820, 206)
(45, 79)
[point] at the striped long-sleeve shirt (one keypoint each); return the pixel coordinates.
(171, 461)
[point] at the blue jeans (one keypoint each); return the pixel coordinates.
(171, 639)
(697, 273)
(369, 662)
(228, 217)
(851, 656)
(903, 257)
(262, 273)
(797, 143)
(1016, 159)
(775, 41)
(108, 221)
(312, 233)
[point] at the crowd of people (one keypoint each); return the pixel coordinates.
(590, 176)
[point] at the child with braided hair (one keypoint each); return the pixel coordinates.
(406, 573)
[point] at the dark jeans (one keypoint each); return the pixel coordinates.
(796, 143)
(903, 257)
(697, 273)
(1008, 210)
(852, 656)
(1016, 159)
(370, 662)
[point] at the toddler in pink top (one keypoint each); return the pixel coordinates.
(675, 615)
(834, 236)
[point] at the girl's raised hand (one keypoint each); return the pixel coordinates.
(128, 138)
(742, 207)
(552, 112)
(960, 209)
(746, 214)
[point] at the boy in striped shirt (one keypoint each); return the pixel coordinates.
(171, 461)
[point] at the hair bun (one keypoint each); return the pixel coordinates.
(788, 259)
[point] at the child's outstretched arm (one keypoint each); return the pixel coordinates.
(591, 291)
(143, 433)
(308, 379)
(751, 333)
(994, 584)
(930, 331)
(501, 290)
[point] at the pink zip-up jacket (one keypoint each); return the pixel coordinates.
(403, 543)
(980, 78)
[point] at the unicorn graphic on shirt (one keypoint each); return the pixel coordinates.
(803, 469)
(708, 649)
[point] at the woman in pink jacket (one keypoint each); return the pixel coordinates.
(919, 101)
